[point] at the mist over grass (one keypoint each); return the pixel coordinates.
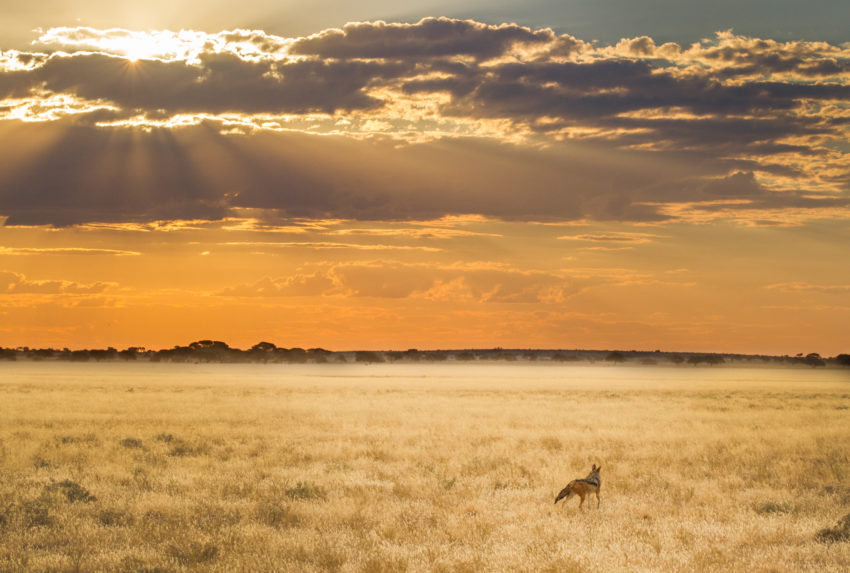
(420, 467)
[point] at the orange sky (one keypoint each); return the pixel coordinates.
(436, 184)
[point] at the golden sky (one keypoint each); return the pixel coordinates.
(429, 183)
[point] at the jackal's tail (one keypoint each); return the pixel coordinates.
(564, 492)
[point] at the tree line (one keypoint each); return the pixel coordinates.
(266, 352)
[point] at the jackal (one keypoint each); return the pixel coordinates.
(583, 487)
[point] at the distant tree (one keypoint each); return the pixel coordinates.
(710, 359)
(394, 355)
(209, 344)
(293, 355)
(42, 353)
(412, 354)
(128, 354)
(814, 360)
(212, 351)
(263, 347)
(262, 352)
(80, 355)
(100, 354)
(676, 359)
(843, 359)
(530, 355)
(466, 356)
(368, 356)
(615, 357)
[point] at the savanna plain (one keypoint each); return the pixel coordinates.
(421, 467)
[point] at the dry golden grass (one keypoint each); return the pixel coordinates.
(155, 467)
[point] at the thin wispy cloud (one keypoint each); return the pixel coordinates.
(75, 251)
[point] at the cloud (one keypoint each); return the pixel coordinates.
(523, 124)
(323, 245)
(739, 184)
(219, 82)
(428, 38)
(447, 283)
(12, 283)
(313, 284)
(612, 237)
(198, 173)
(804, 287)
(29, 251)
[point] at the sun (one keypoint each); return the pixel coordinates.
(136, 46)
(141, 47)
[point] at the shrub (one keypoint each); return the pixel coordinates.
(274, 515)
(769, 507)
(114, 518)
(72, 491)
(36, 513)
(305, 490)
(841, 532)
(131, 443)
(181, 449)
(193, 552)
(76, 439)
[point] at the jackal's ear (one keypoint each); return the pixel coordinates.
(599, 468)
(593, 469)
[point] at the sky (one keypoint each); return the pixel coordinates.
(376, 175)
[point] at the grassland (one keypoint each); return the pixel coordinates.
(420, 468)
